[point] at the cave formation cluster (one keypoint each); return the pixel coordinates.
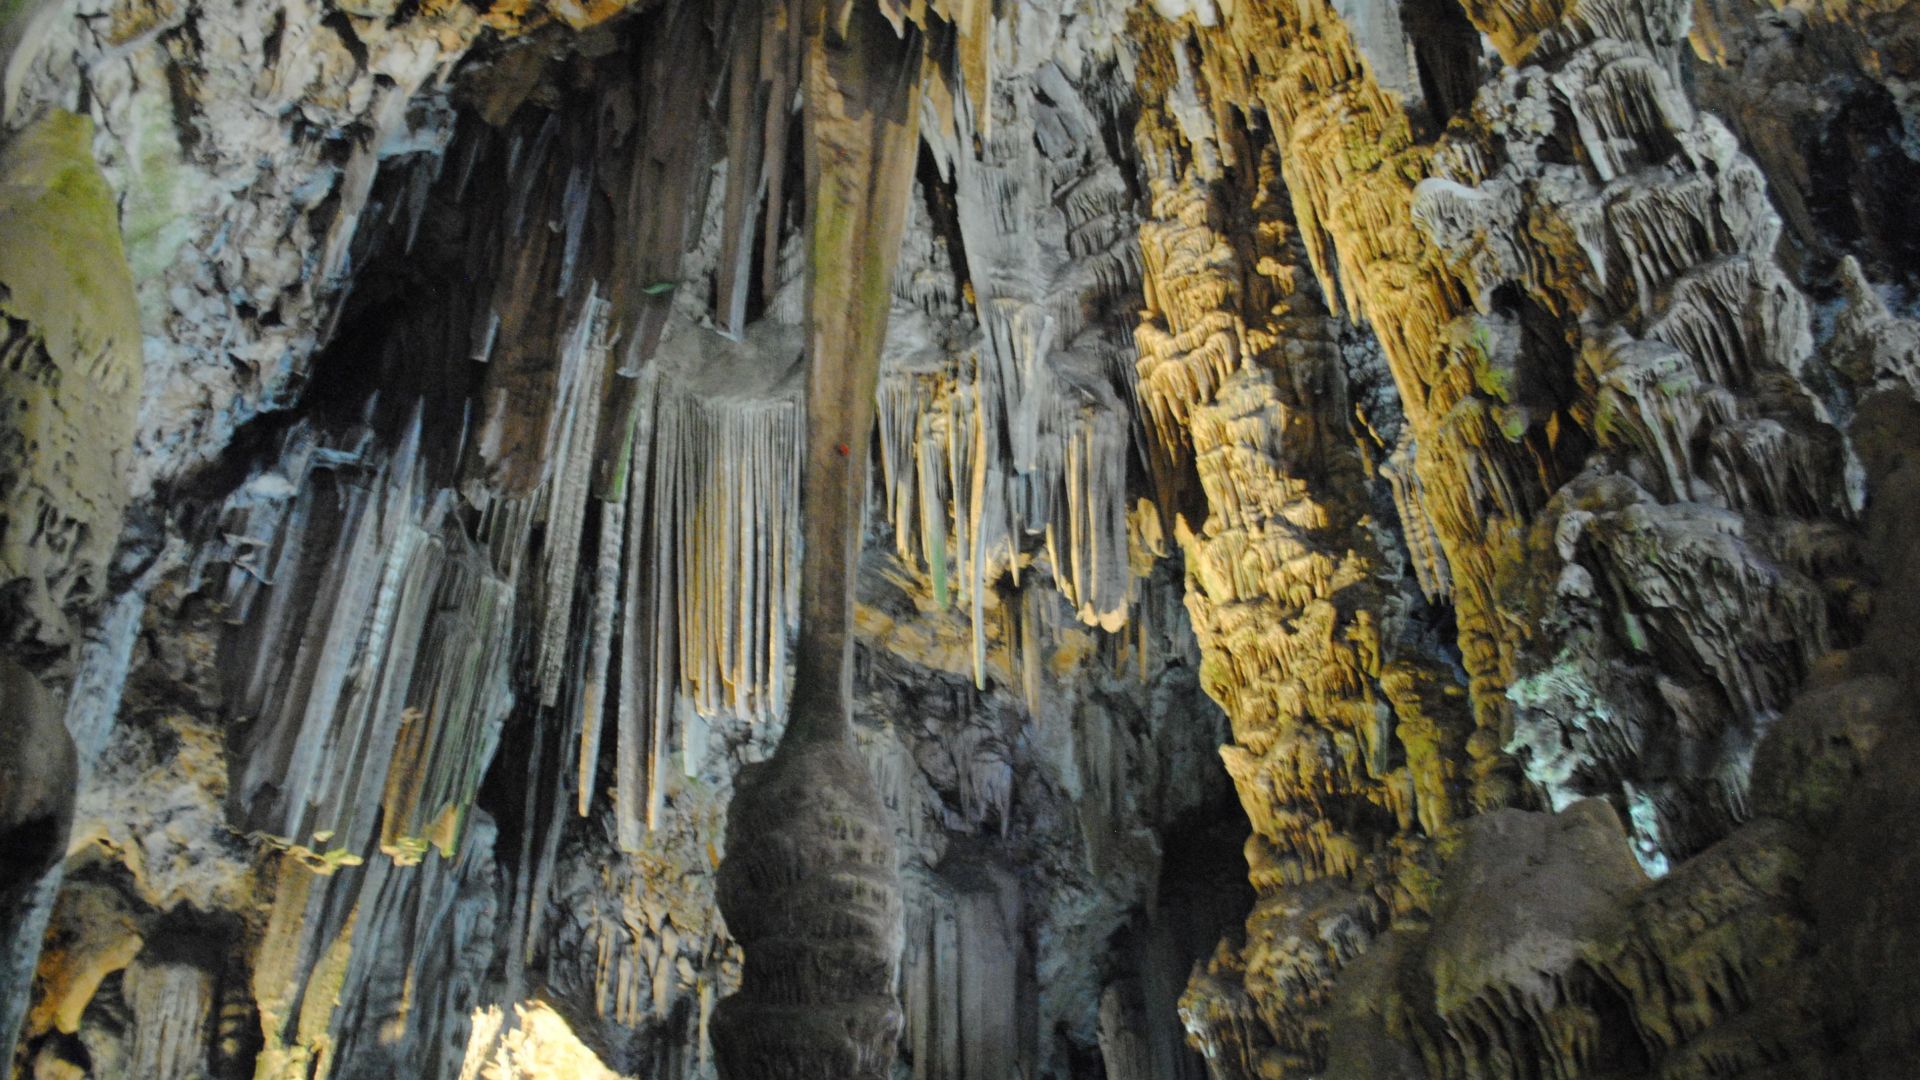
(959, 539)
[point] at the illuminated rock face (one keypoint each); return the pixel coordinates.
(860, 538)
(1616, 467)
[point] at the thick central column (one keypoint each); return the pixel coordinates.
(809, 886)
(862, 89)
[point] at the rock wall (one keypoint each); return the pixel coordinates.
(1622, 435)
(70, 375)
(1366, 539)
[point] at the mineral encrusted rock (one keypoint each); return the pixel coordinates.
(71, 377)
(832, 538)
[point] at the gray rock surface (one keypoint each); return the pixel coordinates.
(1362, 539)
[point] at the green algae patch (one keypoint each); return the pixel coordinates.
(70, 399)
(61, 258)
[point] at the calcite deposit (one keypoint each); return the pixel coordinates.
(752, 539)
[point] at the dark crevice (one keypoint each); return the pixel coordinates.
(943, 212)
(1446, 56)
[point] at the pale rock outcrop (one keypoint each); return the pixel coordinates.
(71, 379)
(70, 376)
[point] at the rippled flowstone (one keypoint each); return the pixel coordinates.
(810, 890)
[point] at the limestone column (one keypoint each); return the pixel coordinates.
(809, 886)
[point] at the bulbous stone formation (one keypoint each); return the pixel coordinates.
(810, 890)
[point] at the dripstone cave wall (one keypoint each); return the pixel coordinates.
(1383, 546)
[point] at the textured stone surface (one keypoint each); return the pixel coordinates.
(70, 374)
(1360, 539)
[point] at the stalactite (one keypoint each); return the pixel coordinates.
(390, 709)
(582, 369)
(461, 672)
(960, 980)
(607, 590)
(958, 514)
(171, 1004)
(760, 88)
(371, 950)
(706, 578)
(734, 496)
(1342, 716)
(1045, 401)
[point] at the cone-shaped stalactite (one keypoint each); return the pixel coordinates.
(809, 887)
